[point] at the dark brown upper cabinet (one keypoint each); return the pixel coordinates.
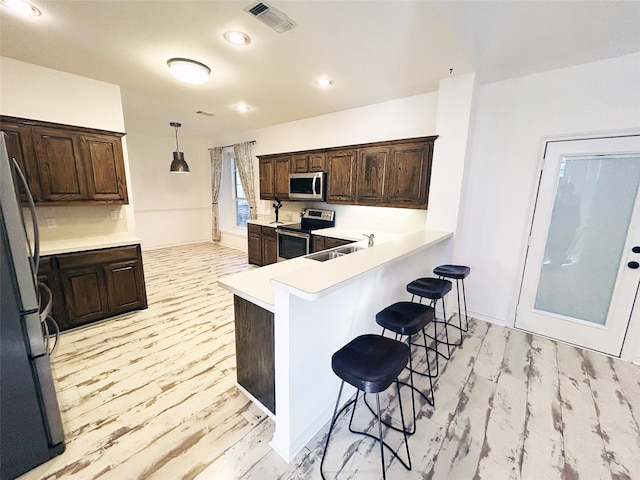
(267, 176)
(373, 164)
(409, 179)
(394, 173)
(19, 141)
(68, 165)
(274, 176)
(341, 176)
(308, 162)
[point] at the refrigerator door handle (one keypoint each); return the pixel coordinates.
(34, 220)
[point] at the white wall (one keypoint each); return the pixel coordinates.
(39, 93)
(512, 118)
(171, 208)
(402, 118)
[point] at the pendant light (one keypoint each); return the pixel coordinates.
(178, 165)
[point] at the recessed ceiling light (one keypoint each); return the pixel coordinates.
(242, 107)
(189, 71)
(237, 38)
(21, 7)
(323, 82)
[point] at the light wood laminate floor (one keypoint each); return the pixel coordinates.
(152, 395)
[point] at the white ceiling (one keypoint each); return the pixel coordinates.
(373, 50)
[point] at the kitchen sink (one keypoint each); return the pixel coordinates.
(325, 255)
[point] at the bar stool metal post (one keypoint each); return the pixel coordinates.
(408, 319)
(457, 273)
(434, 289)
(371, 363)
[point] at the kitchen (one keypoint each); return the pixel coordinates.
(494, 182)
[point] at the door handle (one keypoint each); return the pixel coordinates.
(633, 265)
(635, 249)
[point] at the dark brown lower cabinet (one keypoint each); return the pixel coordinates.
(95, 284)
(323, 243)
(262, 244)
(255, 352)
(85, 294)
(48, 275)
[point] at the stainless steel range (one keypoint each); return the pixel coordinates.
(295, 240)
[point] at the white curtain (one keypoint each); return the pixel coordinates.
(216, 177)
(244, 162)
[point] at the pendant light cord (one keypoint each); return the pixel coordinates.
(177, 147)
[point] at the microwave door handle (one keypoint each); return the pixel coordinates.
(316, 181)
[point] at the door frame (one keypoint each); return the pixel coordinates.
(631, 345)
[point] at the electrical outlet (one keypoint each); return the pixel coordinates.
(51, 223)
(116, 214)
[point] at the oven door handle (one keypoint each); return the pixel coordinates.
(293, 234)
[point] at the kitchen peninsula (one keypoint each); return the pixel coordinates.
(291, 316)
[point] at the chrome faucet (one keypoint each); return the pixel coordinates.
(370, 237)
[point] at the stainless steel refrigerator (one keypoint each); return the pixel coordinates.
(30, 425)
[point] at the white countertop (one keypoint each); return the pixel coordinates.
(311, 280)
(270, 222)
(56, 247)
(355, 234)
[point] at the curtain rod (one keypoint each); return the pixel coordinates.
(227, 146)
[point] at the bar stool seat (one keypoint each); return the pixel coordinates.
(434, 289)
(408, 319)
(429, 287)
(405, 318)
(457, 273)
(371, 363)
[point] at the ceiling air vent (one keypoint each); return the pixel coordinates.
(271, 17)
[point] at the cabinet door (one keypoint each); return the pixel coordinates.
(20, 146)
(317, 162)
(255, 351)
(125, 286)
(269, 246)
(341, 176)
(317, 243)
(60, 165)
(48, 275)
(85, 294)
(254, 238)
(372, 173)
(281, 172)
(300, 163)
(330, 242)
(104, 167)
(409, 178)
(266, 178)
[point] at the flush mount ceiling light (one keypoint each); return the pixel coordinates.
(323, 82)
(178, 165)
(242, 107)
(188, 71)
(237, 38)
(21, 7)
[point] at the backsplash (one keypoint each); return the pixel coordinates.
(392, 220)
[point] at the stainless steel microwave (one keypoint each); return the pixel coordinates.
(307, 186)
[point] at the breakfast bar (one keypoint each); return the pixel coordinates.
(313, 308)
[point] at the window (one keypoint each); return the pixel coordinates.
(241, 204)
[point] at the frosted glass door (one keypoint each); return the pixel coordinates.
(580, 281)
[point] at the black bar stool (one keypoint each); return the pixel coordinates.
(371, 363)
(408, 319)
(458, 273)
(434, 289)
